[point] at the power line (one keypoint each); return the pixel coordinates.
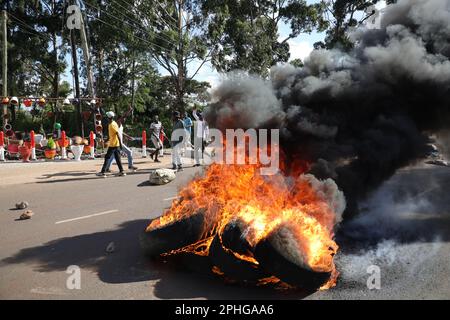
(138, 12)
(46, 37)
(131, 25)
(35, 32)
(132, 4)
(165, 10)
(115, 27)
(142, 15)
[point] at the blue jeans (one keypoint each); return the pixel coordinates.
(129, 154)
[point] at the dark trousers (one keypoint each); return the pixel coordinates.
(109, 153)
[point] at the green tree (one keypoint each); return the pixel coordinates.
(182, 47)
(36, 47)
(298, 63)
(342, 15)
(246, 32)
(127, 35)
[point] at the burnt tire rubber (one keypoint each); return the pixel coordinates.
(221, 256)
(189, 261)
(175, 235)
(232, 237)
(274, 259)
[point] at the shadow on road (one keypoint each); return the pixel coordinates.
(66, 174)
(127, 264)
(81, 176)
(146, 184)
(86, 175)
(91, 177)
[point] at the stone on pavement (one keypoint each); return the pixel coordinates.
(161, 176)
(22, 205)
(111, 247)
(26, 215)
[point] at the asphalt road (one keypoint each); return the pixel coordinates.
(404, 231)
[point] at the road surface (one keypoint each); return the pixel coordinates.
(77, 215)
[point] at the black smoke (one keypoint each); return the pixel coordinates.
(355, 116)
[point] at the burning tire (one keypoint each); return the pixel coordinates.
(189, 261)
(279, 254)
(221, 253)
(232, 237)
(172, 236)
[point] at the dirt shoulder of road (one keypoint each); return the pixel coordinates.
(15, 172)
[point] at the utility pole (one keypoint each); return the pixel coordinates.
(133, 70)
(5, 62)
(77, 83)
(87, 57)
(180, 54)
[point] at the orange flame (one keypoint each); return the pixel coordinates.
(228, 192)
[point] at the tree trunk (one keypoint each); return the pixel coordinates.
(180, 62)
(133, 71)
(101, 77)
(55, 79)
(77, 83)
(55, 71)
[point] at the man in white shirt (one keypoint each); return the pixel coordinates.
(200, 136)
(155, 132)
(177, 140)
(187, 125)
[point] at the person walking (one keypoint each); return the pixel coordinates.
(162, 136)
(124, 148)
(155, 133)
(114, 145)
(200, 136)
(177, 140)
(188, 127)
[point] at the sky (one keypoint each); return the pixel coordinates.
(300, 47)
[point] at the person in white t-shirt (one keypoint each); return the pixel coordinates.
(200, 136)
(155, 133)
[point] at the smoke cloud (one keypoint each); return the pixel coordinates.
(402, 229)
(355, 116)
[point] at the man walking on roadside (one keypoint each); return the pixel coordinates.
(162, 136)
(124, 148)
(155, 133)
(200, 136)
(114, 145)
(178, 135)
(187, 121)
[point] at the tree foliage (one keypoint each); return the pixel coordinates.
(341, 16)
(36, 54)
(247, 34)
(149, 53)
